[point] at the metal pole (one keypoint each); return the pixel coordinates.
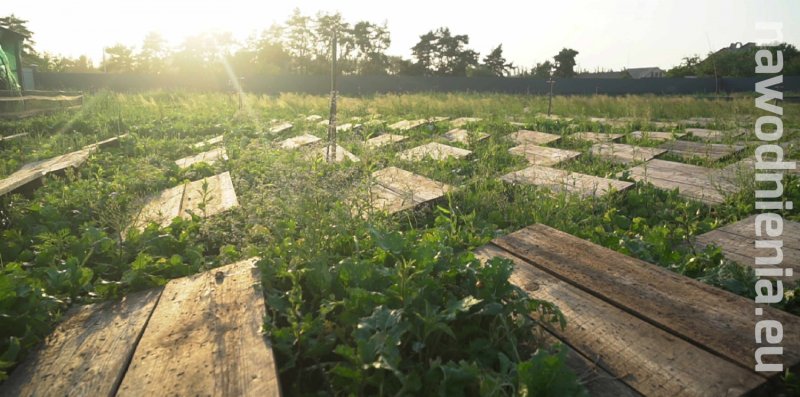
(331, 152)
(550, 97)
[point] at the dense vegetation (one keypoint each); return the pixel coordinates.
(388, 305)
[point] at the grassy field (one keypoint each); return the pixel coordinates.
(343, 292)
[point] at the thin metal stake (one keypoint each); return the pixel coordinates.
(331, 152)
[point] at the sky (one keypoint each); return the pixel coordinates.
(608, 34)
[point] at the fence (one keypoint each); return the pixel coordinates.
(365, 85)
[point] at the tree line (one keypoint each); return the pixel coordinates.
(301, 45)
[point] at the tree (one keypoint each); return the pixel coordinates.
(441, 53)
(686, 68)
(299, 40)
(371, 42)
(496, 63)
(119, 58)
(542, 70)
(20, 26)
(152, 57)
(565, 63)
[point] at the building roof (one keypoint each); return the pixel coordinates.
(638, 73)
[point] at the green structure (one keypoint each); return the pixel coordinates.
(10, 60)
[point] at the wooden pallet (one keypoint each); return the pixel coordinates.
(651, 330)
(526, 137)
(463, 136)
(383, 140)
(405, 125)
(625, 154)
(314, 117)
(542, 155)
(596, 137)
(560, 180)
(298, 141)
(199, 335)
(694, 182)
(656, 135)
(737, 242)
(209, 157)
(462, 121)
(710, 151)
(393, 190)
(187, 199)
(433, 150)
(8, 138)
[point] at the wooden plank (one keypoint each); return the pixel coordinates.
(737, 242)
(434, 150)
(462, 121)
(663, 124)
(464, 136)
(637, 353)
(341, 154)
(161, 208)
(383, 140)
(187, 199)
(209, 157)
(393, 190)
(314, 117)
(656, 135)
(405, 125)
(88, 353)
(110, 142)
(625, 154)
(212, 141)
(713, 135)
(32, 172)
(596, 137)
(542, 155)
(204, 338)
(560, 180)
(218, 197)
(716, 320)
(298, 141)
(711, 151)
(526, 137)
(280, 127)
(694, 182)
(12, 137)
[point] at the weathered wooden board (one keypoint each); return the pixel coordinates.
(110, 142)
(625, 154)
(187, 199)
(204, 338)
(341, 154)
(526, 137)
(88, 353)
(635, 352)
(542, 155)
(280, 127)
(745, 169)
(32, 172)
(462, 121)
(464, 136)
(694, 182)
(393, 190)
(701, 121)
(656, 135)
(716, 320)
(711, 151)
(713, 135)
(298, 141)
(560, 180)
(383, 140)
(663, 124)
(405, 125)
(596, 137)
(12, 137)
(737, 242)
(434, 150)
(209, 142)
(209, 157)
